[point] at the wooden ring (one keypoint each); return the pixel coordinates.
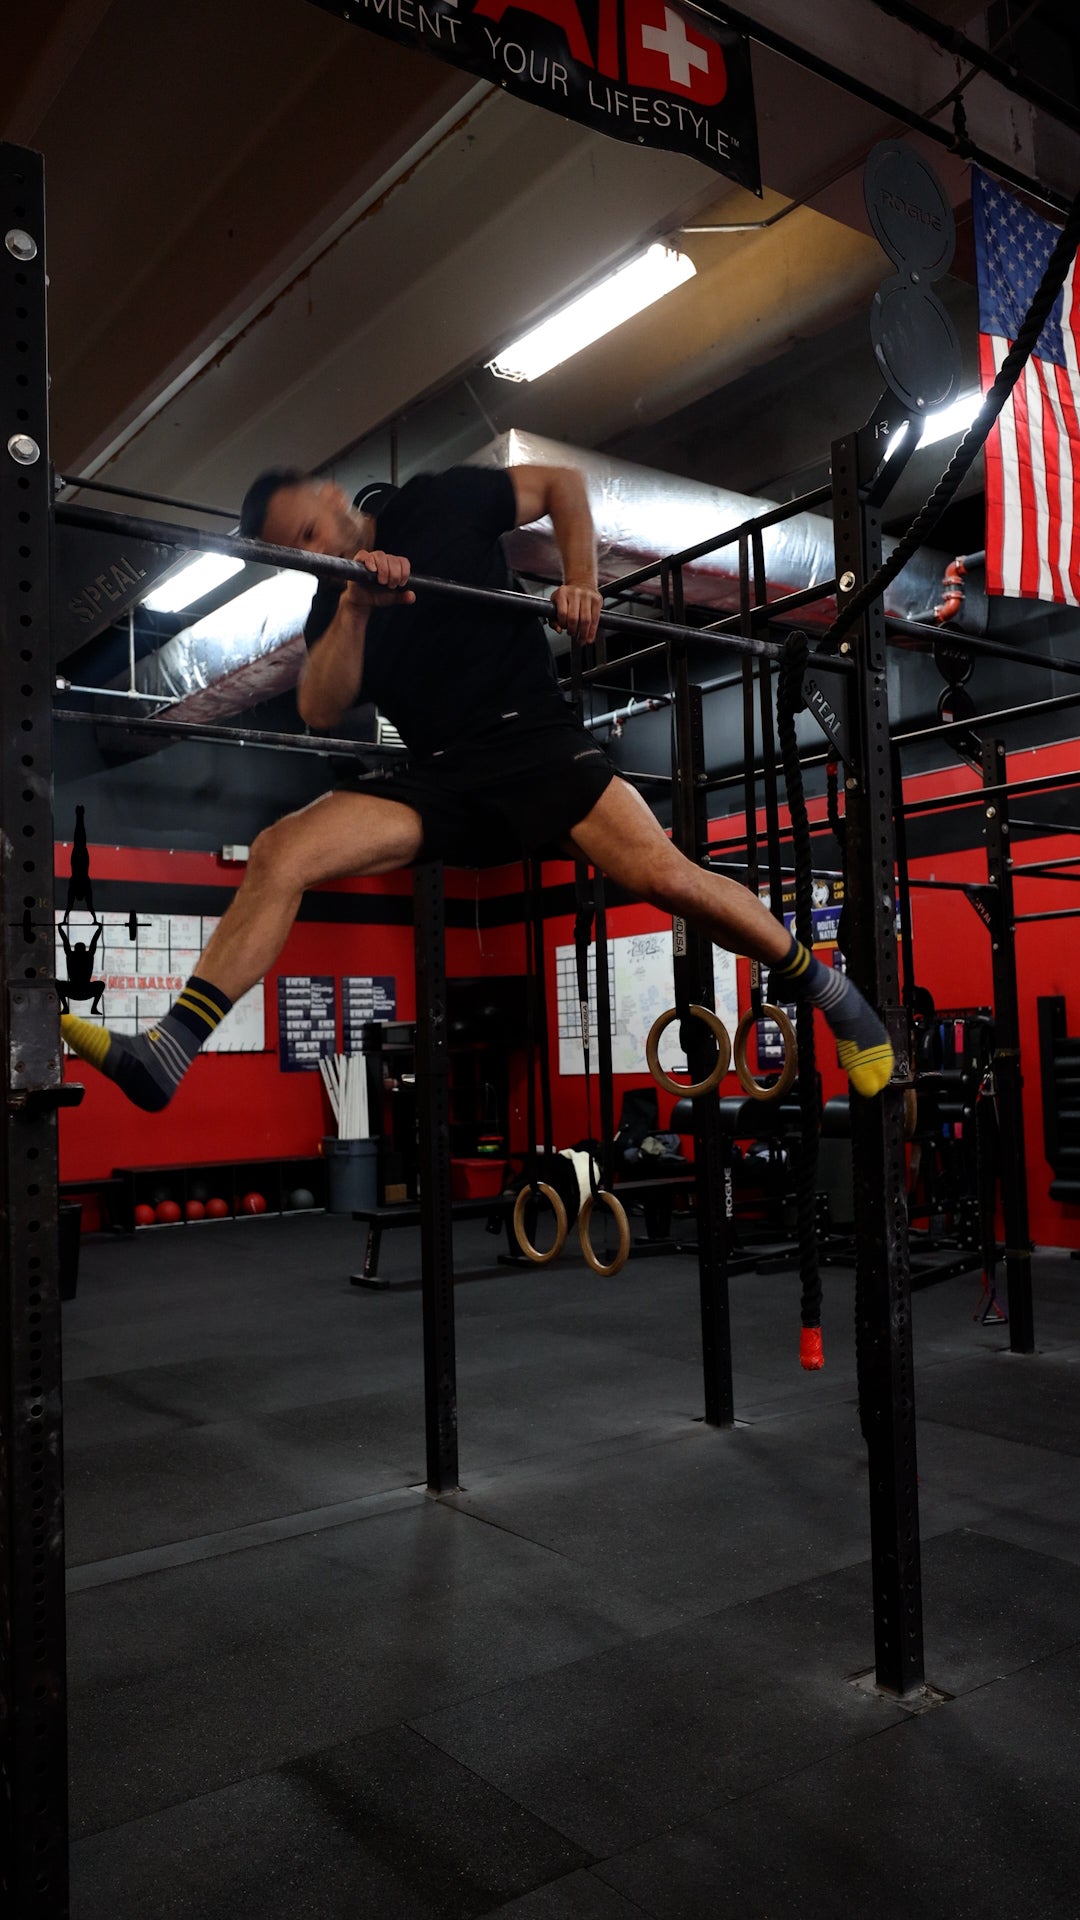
(615, 1205)
(723, 1053)
(527, 1248)
(766, 1089)
(911, 1112)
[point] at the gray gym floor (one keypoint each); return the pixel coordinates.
(613, 1676)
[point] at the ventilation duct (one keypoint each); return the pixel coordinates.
(252, 647)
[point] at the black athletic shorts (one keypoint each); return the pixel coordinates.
(514, 787)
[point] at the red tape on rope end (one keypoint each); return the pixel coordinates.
(811, 1356)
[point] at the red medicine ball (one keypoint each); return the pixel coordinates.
(144, 1215)
(217, 1210)
(194, 1210)
(253, 1203)
(167, 1212)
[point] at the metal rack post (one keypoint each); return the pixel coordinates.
(1008, 1075)
(882, 1274)
(33, 1710)
(436, 1221)
(693, 964)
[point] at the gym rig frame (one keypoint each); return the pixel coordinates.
(33, 1740)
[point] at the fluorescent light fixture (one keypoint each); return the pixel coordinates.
(955, 419)
(656, 272)
(949, 423)
(192, 582)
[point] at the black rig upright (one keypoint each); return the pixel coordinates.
(693, 969)
(33, 1717)
(433, 1161)
(1008, 1074)
(882, 1271)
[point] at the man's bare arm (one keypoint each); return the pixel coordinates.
(560, 493)
(331, 676)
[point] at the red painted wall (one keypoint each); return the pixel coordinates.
(233, 1105)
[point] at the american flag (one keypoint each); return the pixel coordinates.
(1033, 453)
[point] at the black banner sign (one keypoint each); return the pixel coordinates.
(658, 73)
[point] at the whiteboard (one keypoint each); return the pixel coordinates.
(642, 985)
(143, 976)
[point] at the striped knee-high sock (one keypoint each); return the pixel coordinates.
(149, 1066)
(862, 1045)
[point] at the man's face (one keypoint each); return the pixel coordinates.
(315, 517)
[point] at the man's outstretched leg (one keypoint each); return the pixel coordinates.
(624, 839)
(340, 835)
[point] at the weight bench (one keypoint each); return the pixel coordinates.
(406, 1213)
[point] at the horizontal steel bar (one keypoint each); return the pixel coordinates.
(1043, 866)
(769, 518)
(134, 493)
(1045, 827)
(1061, 913)
(943, 730)
(325, 566)
(897, 628)
(627, 660)
(227, 736)
(977, 795)
(770, 609)
(1057, 703)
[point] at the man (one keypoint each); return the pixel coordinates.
(499, 765)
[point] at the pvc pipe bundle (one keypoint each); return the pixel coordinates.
(345, 1079)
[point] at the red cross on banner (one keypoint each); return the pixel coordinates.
(664, 54)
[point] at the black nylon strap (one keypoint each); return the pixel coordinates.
(789, 701)
(583, 926)
(603, 1041)
(536, 901)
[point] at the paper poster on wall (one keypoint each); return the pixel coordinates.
(642, 987)
(307, 1020)
(141, 978)
(364, 997)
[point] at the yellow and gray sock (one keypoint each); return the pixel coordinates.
(149, 1066)
(862, 1045)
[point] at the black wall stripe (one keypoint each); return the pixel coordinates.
(928, 835)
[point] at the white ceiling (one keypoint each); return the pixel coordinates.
(270, 232)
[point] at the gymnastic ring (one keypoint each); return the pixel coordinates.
(911, 1112)
(527, 1248)
(723, 1053)
(766, 1089)
(615, 1205)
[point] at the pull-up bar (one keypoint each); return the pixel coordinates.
(326, 566)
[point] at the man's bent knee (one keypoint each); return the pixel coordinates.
(273, 855)
(672, 884)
